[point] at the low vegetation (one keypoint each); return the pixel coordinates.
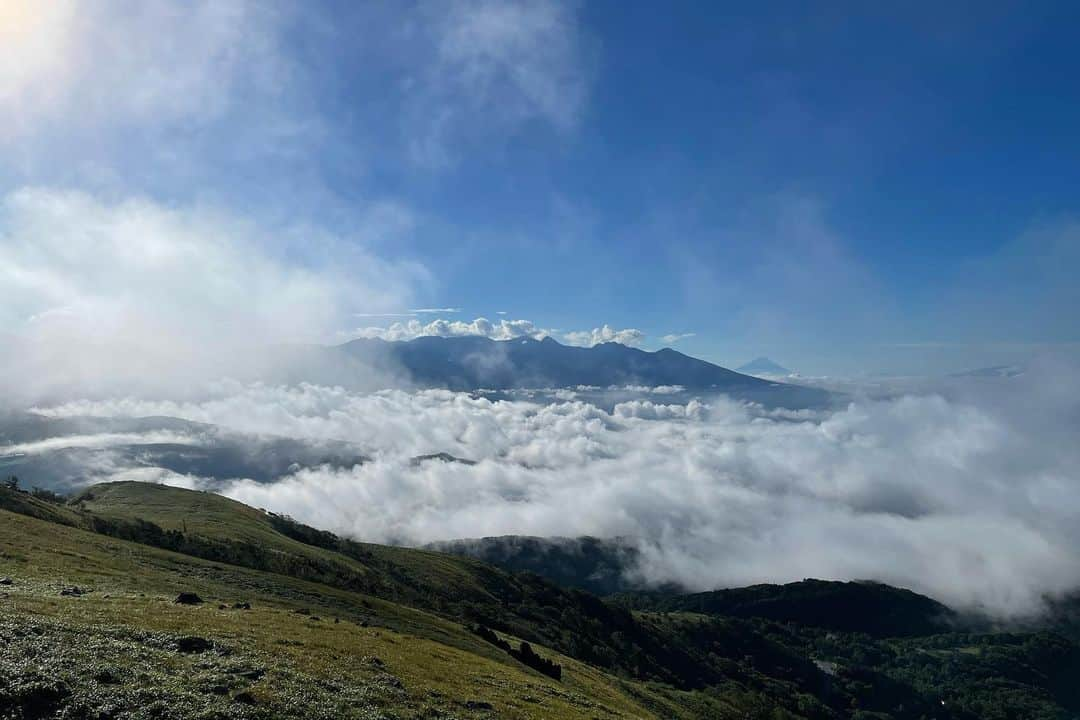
(292, 621)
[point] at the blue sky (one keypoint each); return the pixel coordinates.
(845, 190)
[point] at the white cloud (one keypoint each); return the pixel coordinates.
(435, 311)
(133, 291)
(605, 334)
(482, 327)
(501, 329)
(676, 337)
(971, 501)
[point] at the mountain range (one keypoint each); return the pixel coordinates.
(469, 363)
(473, 363)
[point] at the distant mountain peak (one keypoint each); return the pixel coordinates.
(763, 366)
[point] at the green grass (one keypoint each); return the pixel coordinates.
(216, 517)
(405, 663)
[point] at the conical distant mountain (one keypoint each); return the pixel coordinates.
(763, 366)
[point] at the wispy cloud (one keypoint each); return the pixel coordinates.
(493, 67)
(676, 337)
(151, 64)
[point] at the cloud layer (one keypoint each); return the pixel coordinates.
(971, 502)
(501, 329)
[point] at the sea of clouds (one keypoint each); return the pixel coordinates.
(964, 490)
(967, 493)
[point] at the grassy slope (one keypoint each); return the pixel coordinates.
(528, 607)
(409, 615)
(128, 626)
(460, 589)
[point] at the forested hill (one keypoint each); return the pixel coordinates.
(606, 567)
(859, 607)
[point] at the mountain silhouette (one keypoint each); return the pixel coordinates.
(763, 366)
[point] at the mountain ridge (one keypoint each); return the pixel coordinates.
(524, 362)
(470, 363)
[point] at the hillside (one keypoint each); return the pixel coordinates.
(605, 567)
(857, 607)
(123, 648)
(343, 629)
(587, 563)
